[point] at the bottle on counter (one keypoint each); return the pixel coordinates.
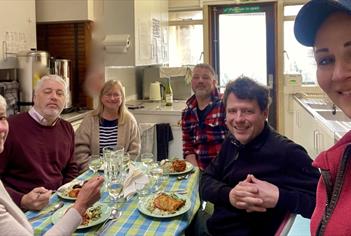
(169, 93)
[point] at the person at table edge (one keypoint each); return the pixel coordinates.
(38, 154)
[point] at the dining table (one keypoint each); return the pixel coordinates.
(131, 220)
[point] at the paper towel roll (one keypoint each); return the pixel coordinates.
(117, 43)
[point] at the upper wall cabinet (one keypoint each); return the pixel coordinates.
(58, 10)
(147, 24)
(17, 29)
(184, 4)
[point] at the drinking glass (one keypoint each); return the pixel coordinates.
(125, 164)
(147, 158)
(113, 160)
(156, 172)
(95, 163)
(114, 188)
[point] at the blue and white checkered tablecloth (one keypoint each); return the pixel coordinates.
(132, 222)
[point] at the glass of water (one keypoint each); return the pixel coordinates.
(115, 188)
(147, 159)
(95, 163)
(156, 173)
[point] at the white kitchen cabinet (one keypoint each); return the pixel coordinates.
(63, 11)
(324, 138)
(184, 4)
(310, 132)
(17, 29)
(304, 127)
(147, 24)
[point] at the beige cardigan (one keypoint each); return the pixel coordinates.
(14, 222)
(87, 141)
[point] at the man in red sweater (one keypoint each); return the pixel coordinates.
(38, 155)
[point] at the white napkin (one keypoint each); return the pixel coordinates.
(134, 181)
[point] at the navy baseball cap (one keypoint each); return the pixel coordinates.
(313, 14)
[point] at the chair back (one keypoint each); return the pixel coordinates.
(286, 224)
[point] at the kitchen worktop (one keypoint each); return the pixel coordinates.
(74, 116)
(321, 109)
(156, 107)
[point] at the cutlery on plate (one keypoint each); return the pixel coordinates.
(44, 214)
(115, 214)
(179, 191)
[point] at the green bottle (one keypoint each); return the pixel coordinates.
(169, 93)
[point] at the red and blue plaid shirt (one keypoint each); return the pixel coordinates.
(204, 140)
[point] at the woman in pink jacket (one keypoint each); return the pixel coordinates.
(326, 25)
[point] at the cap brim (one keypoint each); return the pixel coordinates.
(312, 15)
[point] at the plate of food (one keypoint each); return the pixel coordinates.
(176, 167)
(70, 190)
(164, 205)
(96, 214)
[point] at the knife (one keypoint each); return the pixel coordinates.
(44, 214)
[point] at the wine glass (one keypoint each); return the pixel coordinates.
(156, 172)
(114, 188)
(95, 163)
(147, 158)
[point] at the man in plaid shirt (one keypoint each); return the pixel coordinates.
(203, 120)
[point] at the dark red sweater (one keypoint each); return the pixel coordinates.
(36, 155)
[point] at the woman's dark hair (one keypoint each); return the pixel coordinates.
(246, 88)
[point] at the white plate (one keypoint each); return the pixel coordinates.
(189, 167)
(105, 213)
(63, 190)
(143, 207)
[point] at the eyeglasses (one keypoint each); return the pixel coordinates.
(113, 95)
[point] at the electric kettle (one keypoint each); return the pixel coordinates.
(155, 91)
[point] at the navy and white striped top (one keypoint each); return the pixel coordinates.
(108, 133)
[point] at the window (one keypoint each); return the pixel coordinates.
(298, 59)
(185, 38)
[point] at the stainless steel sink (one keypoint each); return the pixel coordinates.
(339, 116)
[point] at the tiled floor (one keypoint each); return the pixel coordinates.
(301, 227)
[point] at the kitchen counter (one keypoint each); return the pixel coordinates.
(149, 114)
(156, 107)
(321, 109)
(74, 116)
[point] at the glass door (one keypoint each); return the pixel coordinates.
(244, 44)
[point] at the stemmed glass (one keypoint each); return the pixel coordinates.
(156, 172)
(115, 188)
(147, 158)
(95, 163)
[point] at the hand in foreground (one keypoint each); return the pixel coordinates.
(36, 199)
(246, 196)
(89, 194)
(192, 159)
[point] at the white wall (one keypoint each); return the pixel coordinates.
(127, 77)
(17, 19)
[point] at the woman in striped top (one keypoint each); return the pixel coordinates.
(110, 124)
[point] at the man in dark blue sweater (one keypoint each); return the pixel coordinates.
(259, 175)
